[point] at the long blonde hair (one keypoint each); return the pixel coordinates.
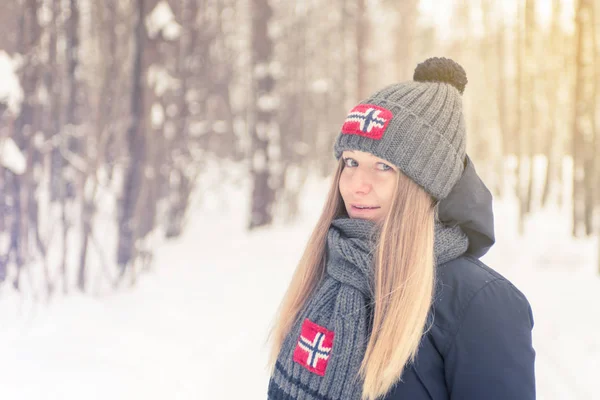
(403, 286)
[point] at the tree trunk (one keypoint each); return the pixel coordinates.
(591, 162)
(179, 183)
(107, 108)
(53, 83)
(135, 145)
(73, 145)
(596, 148)
(519, 123)
(505, 132)
(530, 90)
(25, 125)
(583, 120)
(264, 131)
(552, 75)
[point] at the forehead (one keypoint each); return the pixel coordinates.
(361, 155)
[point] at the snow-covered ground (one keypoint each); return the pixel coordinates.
(194, 327)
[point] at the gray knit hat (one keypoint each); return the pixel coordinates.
(418, 126)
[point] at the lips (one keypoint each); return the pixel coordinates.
(363, 207)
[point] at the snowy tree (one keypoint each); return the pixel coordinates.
(264, 128)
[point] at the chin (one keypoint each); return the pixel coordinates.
(370, 218)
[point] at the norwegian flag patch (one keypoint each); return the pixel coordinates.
(367, 120)
(313, 349)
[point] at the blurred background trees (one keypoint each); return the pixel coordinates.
(110, 112)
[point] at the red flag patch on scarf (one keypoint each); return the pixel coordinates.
(367, 120)
(313, 349)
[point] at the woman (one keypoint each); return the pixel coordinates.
(390, 299)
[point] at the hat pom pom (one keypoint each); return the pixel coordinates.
(440, 69)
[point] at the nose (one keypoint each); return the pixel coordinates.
(361, 182)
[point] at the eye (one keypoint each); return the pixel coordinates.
(383, 167)
(348, 162)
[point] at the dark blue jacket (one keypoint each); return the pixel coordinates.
(479, 344)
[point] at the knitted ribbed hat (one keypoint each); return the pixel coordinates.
(418, 126)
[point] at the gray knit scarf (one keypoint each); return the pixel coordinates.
(323, 352)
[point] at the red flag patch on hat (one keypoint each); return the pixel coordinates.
(367, 120)
(314, 347)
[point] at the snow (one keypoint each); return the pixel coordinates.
(320, 86)
(274, 68)
(274, 152)
(262, 130)
(259, 161)
(198, 128)
(157, 115)
(11, 92)
(268, 103)
(11, 156)
(220, 126)
(261, 70)
(44, 14)
(160, 79)
(162, 19)
(195, 326)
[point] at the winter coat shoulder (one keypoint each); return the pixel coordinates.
(479, 343)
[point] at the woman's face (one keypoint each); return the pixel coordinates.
(367, 185)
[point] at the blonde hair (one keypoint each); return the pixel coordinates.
(403, 286)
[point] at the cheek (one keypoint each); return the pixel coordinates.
(343, 185)
(387, 192)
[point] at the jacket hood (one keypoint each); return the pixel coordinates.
(469, 205)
